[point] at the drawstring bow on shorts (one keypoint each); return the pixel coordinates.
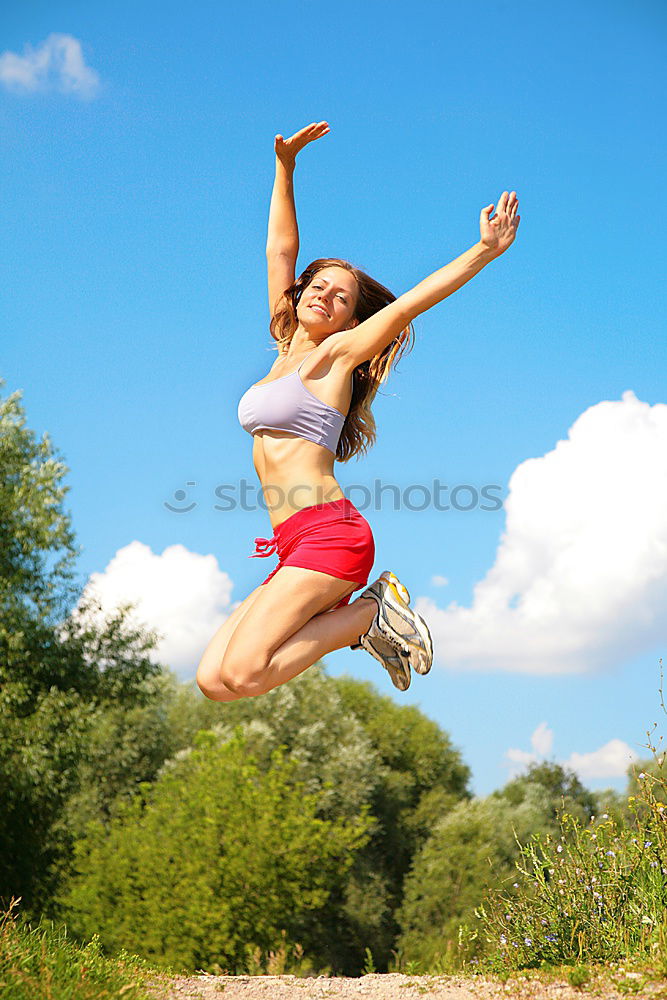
(264, 547)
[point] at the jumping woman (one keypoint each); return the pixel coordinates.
(338, 333)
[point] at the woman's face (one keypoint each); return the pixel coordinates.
(327, 304)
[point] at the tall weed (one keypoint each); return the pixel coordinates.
(593, 894)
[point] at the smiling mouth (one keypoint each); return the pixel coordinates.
(320, 310)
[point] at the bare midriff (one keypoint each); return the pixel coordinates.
(294, 473)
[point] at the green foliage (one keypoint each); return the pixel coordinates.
(561, 790)
(354, 748)
(470, 849)
(369, 964)
(44, 743)
(333, 755)
(41, 961)
(609, 802)
(594, 893)
(473, 850)
(597, 892)
(36, 561)
(33, 526)
(414, 748)
(643, 776)
(54, 672)
(221, 859)
(419, 777)
(579, 975)
(124, 747)
(38, 761)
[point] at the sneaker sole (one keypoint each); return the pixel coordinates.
(384, 652)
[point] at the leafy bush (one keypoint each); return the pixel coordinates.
(220, 859)
(469, 850)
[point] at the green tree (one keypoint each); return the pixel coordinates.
(609, 802)
(334, 758)
(353, 748)
(333, 754)
(37, 557)
(420, 778)
(220, 861)
(562, 791)
(471, 849)
(33, 526)
(125, 746)
(55, 669)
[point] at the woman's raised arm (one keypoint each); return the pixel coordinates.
(282, 243)
(377, 332)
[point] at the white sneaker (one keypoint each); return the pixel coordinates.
(398, 637)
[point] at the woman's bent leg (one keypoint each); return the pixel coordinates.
(287, 628)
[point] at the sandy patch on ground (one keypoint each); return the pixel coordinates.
(388, 986)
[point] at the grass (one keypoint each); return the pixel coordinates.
(595, 894)
(42, 963)
(628, 978)
(587, 907)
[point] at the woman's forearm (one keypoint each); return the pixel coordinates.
(283, 234)
(442, 283)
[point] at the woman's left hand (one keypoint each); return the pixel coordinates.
(497, 234)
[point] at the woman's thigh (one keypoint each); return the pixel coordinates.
(284, 605)
(208, 671)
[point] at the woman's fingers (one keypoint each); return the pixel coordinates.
(311, 130)
(508, 204)
(307, 134)
(502, 201)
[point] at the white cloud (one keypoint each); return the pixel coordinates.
(439, 581)
(542, 740)
(184, 596)
(56, 64)
(579, 581)
(521, 757)
(609, 761)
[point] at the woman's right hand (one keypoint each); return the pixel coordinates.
(287, 149)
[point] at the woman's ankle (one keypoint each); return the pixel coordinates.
(367, 609)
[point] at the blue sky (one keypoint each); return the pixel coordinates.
(136, 169)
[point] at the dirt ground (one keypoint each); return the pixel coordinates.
(395, 987)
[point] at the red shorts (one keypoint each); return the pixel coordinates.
(332, 538)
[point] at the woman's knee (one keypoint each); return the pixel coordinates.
(238, 673)
(243, 674)
(208, 681)
(208, 671)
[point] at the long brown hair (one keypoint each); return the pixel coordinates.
(359, 432)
